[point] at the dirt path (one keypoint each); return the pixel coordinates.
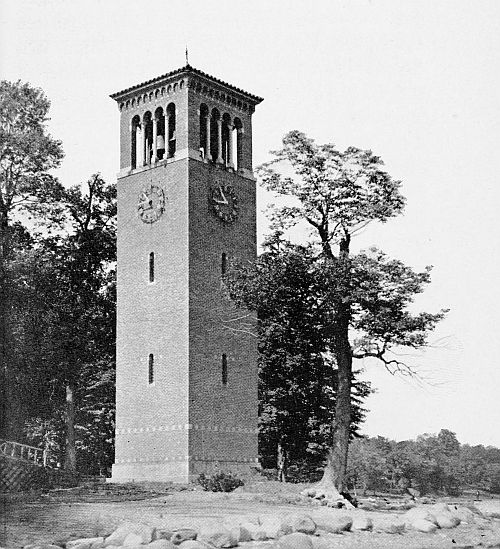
(24, 523)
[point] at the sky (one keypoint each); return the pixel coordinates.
(417, 82)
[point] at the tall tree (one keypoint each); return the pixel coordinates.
(27, 154)
(336, 194)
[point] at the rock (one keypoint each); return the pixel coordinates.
(296, 540)
(219, 537)
(132, 540)
(335, 524)
(447, 520)
(193, 544)
(391, 526)
(42, 546)
(161, 544)
(422, 525)
(464, 514)
(145, 531)
(85, 543)
(241, 533)
(273, 527)
(418, 513)
(257, 531)
(183, 534)
(362, 523)
(298, 523)
(413, 492)
(163, 533)
(367, 506)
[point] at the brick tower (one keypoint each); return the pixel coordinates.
(186, 373)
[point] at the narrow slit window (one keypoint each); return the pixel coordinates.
(223, 265)
(151, 369)
(151, 267)
(224, 369)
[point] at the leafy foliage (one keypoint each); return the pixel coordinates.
(219, 482)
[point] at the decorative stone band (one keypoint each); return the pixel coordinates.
(187, 427)
(184, 458)
(179, 155)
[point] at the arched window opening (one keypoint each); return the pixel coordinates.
(151, 267)
(204, 131)
(159, 135)
(151, 369)
(238, 143)
(135, 139)
(170, 121)
(223, 265)
(214, 135)
(227, 150)
(224, 369)
(148, 138)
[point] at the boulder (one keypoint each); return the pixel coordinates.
(298, 523)
(42, 546)
(218, 537)
(362, 523)
(85, 543)
(391, 525)
(183, 534)
(145, 532)
(422, 525)
(132, 540)
(163, 533)
(161, 544)
(193, 544)
(419, 513)
(257, 531)
(335, 524)
(464, 514)
(273, 527)
(296, 540)
(241, 533)
(447, 520)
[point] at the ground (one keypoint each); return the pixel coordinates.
(92, 511)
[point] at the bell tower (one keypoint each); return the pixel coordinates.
(186, 372)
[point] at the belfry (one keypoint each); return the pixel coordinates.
(186, 374)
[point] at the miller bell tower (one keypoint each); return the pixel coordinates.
(186, 372)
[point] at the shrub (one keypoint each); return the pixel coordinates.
(219, 482)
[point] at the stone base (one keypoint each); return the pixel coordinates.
(182, 472)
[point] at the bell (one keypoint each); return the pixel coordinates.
(160, 142)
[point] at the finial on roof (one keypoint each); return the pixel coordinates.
(187, 58)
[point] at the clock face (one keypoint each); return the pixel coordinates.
(151, 204)
(224, 202)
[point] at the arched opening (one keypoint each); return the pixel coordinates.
(135, 139)
(226, 144)
(159, 146)
(224, 369)
(204, 131)
(237, 136)
(170, 120)
(214, 135)
(151, 369)
(148, 137)
(151, 267)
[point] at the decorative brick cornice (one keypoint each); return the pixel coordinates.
(186, 427)
(179, 79)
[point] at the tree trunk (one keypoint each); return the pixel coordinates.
(4, 300)
(282, 461)
(70, 453)
(335, 471)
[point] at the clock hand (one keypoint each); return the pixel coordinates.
(224, 199)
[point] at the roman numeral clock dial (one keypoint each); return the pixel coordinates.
(151, 204)
(224, 203)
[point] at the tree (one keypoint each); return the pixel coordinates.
(27, 154)
(297, 384)
(336, 194)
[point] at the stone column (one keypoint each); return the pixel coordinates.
(230, 162)
(208, 154)
(219, 160)
(155, 140)
(143, 143)
(167, 134)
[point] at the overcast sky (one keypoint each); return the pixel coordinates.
(415, 81)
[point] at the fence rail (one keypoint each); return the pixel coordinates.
(23, 452)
